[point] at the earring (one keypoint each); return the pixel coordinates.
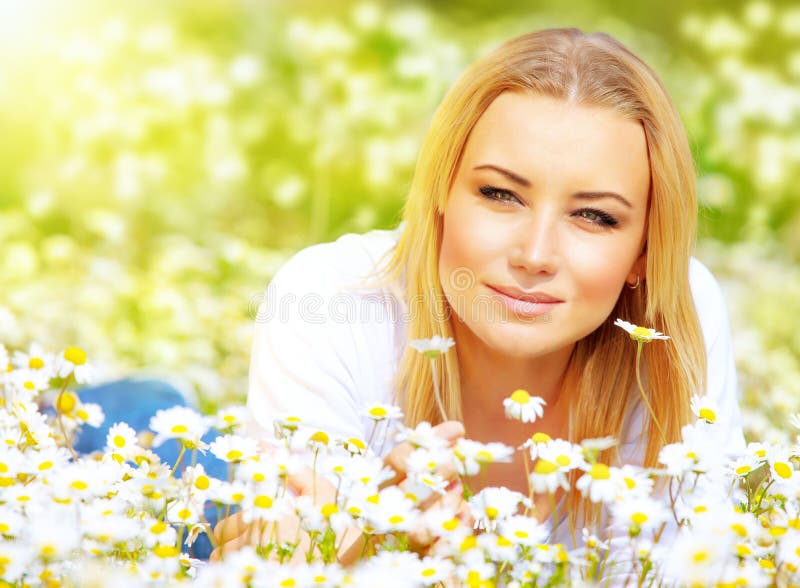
(636, 285)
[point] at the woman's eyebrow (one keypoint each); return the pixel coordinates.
(598, 195)
(509, 174)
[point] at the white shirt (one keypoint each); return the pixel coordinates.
(322, 349)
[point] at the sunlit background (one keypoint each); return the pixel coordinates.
(159, 160)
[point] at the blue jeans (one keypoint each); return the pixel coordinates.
(134, 402)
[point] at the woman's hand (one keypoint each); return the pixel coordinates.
(233, 532)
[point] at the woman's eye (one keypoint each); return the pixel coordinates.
(498, 194)
(597, 217)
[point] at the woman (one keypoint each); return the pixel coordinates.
(554, 193)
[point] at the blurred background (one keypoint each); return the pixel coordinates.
(160, 159)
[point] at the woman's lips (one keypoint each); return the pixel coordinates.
(531, 304)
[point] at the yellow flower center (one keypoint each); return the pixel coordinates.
(545, 467)
(76, 355)
(520, 396)
(450, 525)
(783, 470)
(66, 402)
(642, 333)
(541, 438)
(184, 513)
(630, 483)
(262, 501)
(202, 483)
(35, 363)
(563, 460)
(320, 437)
(178, 429)
(521, 534)
(233, 454)
(742, 470)
(428, 572)
(158, 528)
(396, 519)
(165, 551)
(358, 443)
(79, 485)
(638, 518)
(491, 512)
(708, 415)
(600, 471)
(45, 465)
(378, 412)
(119, 440)
(329, 509)
(484, 456)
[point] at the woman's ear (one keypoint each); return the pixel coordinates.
(638, 271)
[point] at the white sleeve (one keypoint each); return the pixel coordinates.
(303, 360)
(721, 369)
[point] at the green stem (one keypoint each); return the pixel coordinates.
(644, 396)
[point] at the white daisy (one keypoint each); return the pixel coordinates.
(35, 359)
(639, 334)
(434, 346)
(182, 423)
(382, 412)
(705, 408)
(547, 477)
(230, 419)
(521, 406)
(233, 448)
(598, 484)
(73, 361)
(471, 455)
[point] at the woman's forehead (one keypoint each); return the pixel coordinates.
(544, 139)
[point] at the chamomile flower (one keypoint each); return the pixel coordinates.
(73, 361)
(36, 359)
(382, 412)
(121, 441)
(391, 511)
(471, 455)
(744, 465)
(547, 477)
(638, 514)
(521, 406)
(233, 448)
(597, 484)
(639, 334)
(434, 570)
(522, 530)
(491, 505)
(705, 408)
(262, 506)
(230, 419)
(567, 456)
(631, 481)
(421, 436)
(434, 346)
(182, 423)
(537, 442)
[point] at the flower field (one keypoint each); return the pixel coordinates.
(160, 161)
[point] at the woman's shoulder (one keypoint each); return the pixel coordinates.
(343, 264)
(709, 301)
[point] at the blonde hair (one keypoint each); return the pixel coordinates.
(592, 70)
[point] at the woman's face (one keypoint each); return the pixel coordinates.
(549, 204)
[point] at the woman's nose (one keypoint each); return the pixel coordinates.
(535, 244)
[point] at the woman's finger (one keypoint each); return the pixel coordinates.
(230, 527)
(397, 458)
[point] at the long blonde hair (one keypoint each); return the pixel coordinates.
(592, 70)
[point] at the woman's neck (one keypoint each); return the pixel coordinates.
(488, 377)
